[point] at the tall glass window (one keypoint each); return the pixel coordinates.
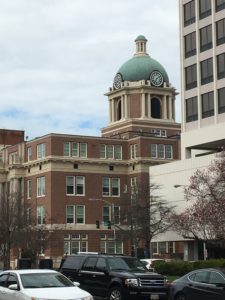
(206, 38)
(221, 100)
(206, 71)
(207, 105)
(191, 77)
(220, 32)
(192, 109)
(220, 4)
(204, 8)
(189, 13)
(221, 66)
(190, 44)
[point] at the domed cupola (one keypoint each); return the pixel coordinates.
(141, 67)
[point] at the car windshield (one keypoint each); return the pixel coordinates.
(44, 280)
(126, 263)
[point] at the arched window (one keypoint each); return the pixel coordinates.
(155, 108)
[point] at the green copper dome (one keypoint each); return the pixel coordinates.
(141, 66)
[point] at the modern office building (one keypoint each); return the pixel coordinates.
(72, 181)
(202, 51)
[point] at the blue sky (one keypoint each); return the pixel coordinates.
(59, 57)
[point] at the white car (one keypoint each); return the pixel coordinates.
(39, 285)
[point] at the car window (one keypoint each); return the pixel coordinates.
(216, 278)
(3, 279)
(12, 279)
(101, 263)
(73, 262)
(44, 280)
(90, 263)
(201, 276)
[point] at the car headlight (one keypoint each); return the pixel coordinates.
(131, 282)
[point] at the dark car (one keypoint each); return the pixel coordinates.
(115, 277)
(203, 284)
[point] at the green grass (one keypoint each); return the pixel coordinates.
(171, 278)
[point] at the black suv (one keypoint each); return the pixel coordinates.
(114, 277)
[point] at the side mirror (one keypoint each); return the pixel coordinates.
(13, 287)
(76, 283)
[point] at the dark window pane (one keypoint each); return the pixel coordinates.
(207, 105)
(220, 4)
(221, 100)
(191, 109)
(206, 71)
(221, 66)
(191, 77)
(189, 13)
(190, 44)
(204, 8)
(220, 32)
(206, 38)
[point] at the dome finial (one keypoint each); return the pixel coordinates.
(141, 42)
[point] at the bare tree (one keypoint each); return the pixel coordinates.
(204, 219)
(148, 214)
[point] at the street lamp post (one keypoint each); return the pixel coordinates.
(112, 218)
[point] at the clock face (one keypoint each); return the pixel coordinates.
(117, 81)
(156, 78)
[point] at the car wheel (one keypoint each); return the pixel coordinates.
(115, 293)
(180, 297)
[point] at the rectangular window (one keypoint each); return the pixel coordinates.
(162, 247)
(161, 148)
(75, 149)
(190, 44)
(154, 151)
(29, 189)
(191, 77)
(220, 32)
(221, 100)
(110, 186)
(66, 149)
(115, 187)
(206, 38)
(75, 214)
(41, 215)
(106, 215)
(105, 186)
(220, 4)
(221, 66)
(133, 151)
(29, 154)
(207, 105)
(206, 71)
(169, 151)
(75, 185)
(70, 214)
(83, 150)
(189, 13)
(80, 185)
(110, 151)
(41, 186)
(70, 185)
(154, 246)
(80, 214)
(191, 109)
(117, 214)
(204, 8)
(41, 151)
(103, 151)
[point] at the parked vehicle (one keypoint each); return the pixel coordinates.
(150, 262)
(115, 277)
(39, 284)
(203, 284)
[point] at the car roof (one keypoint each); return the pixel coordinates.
(30, 271)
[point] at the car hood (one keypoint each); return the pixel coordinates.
(61, 293)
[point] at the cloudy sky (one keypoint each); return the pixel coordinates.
(59, 57)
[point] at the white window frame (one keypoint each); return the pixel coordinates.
(170, 151)
(29, 189)
(41, 186)
(75, 149)
(133, 151)
(109, 186)
(161, 151)
(41, 150)
(76, 183)
(41, 214)
(29, 153)
(74, 214)
(154, 151)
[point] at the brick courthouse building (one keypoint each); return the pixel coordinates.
(72, 181)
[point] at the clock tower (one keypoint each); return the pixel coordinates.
(141, 97)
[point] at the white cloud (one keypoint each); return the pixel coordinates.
(59, 57)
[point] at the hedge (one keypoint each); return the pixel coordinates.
(179, 268)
